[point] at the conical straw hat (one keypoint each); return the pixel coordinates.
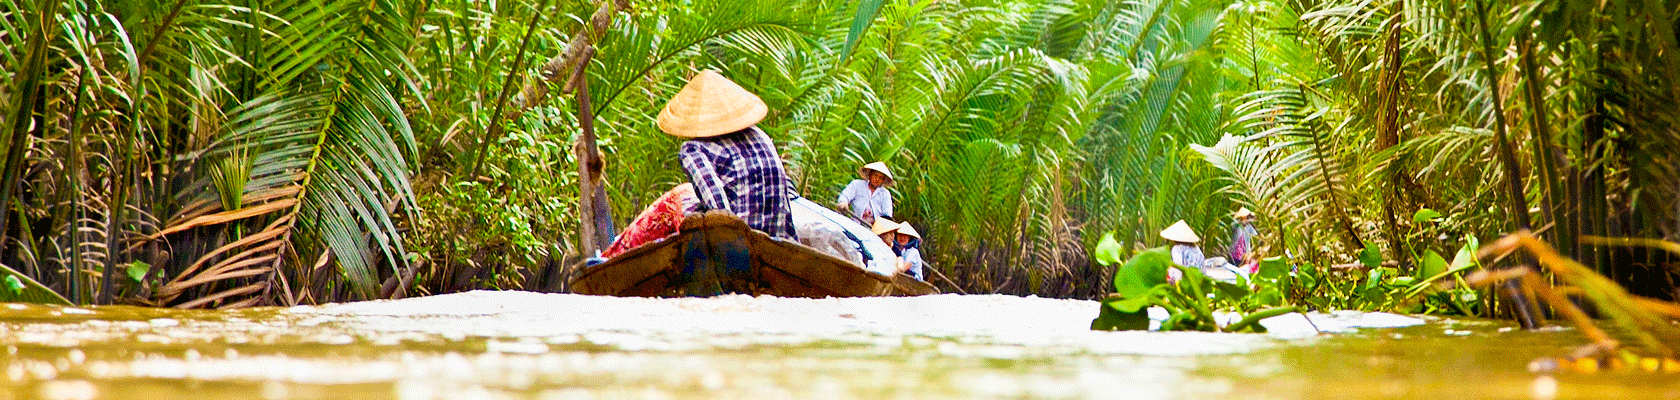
(1180, 232)
(1243, 212)
(710, 105)
(883, 225)
(877, 167)
(905, 228)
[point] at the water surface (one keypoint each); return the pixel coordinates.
(517, 345)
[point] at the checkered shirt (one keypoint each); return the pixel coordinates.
(742, 173)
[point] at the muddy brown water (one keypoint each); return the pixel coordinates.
(517, 345)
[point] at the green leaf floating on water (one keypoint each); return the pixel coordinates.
(1232, 290)
(1269, 296)
(1145, 270)
(1134, 284)
(1373, 281)
(1466, 256)
(1110, 318)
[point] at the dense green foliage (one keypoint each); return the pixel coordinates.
(236, 152)
(1277, 286)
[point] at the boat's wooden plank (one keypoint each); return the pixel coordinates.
(716, 253)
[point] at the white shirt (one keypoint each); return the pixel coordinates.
(913, 256)
(876, 202)
(1187, 255)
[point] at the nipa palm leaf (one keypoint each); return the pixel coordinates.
(330, 145)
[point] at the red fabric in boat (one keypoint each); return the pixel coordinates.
(658, 221)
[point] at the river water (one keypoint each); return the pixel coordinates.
(519, 345)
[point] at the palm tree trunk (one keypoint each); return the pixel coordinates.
(1517, 200)
(1388, 128)
(1545, 154)
(1516, 196)
(27, 101)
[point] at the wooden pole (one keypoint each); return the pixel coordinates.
(593, 207)
(592, 197)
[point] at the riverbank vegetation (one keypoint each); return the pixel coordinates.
(228, 153)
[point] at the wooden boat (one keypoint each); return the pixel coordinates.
(716, 253)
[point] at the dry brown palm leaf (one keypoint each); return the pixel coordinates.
(1643, 322)
(228, 216)
(243, 290)
(257, 255)
(209, 205)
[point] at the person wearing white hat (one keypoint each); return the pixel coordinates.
(1184, 249)
(732, 164)
(887, 230)
(867, 199)
(909, 246)
(1185, 252)
(1243, 242)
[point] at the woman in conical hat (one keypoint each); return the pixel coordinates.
(868, 198)
(732, 164)
(1244, 241)
(1184, 249)
(909, 231)
(910, 250)
(1180, 232)
(886, 229)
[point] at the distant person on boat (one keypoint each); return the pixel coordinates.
(1186, 252)
(1244, 241)
(1184, 249)
(909, 247)
(905, 242)
(887, 230)
(732, 164)
(868, 199)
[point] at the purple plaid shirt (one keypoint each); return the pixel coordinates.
(742, 173)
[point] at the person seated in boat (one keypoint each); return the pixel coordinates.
(868, 199)
(1184, 249)
(1244, 241)
(1186, 252)
(909, 246)
(733, 165)
(888, 231)
(905, 257)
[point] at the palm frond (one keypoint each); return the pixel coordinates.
(329, 144)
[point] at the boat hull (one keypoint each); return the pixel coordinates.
(716, 253)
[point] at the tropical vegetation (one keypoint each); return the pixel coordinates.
(230, 153)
